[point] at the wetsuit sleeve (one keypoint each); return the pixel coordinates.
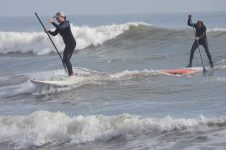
(191, 24)
(53, 33)
(62, 26)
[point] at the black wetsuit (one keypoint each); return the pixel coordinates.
(64, 30)
(202, 41)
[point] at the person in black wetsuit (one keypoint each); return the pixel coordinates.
(201, 39)
(64, 29)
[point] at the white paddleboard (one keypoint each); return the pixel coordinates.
(67, 82)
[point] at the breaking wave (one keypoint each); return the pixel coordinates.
(43, 127)
(39, 44)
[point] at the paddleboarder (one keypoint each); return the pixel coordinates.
(64, 29)
(200, 39)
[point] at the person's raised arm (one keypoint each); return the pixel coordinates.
(190, 22)
(53, 33)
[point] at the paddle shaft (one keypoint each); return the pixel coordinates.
(204, 69)
(51, 41)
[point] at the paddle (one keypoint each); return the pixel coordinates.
(204, 69)
(52, 42)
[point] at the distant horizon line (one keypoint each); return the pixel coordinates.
(119, 14)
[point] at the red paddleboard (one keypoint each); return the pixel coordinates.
(179, 71)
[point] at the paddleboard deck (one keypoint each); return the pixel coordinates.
(66, 82)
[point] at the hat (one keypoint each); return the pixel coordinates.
(59, 14)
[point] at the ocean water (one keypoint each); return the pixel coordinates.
(120, 99)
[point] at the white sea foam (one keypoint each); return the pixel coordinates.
(126, 75)
(42, 127)
(216, 30)
(39, 44)
(83, 76)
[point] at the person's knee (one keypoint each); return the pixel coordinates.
(193, 50)
(66, 61)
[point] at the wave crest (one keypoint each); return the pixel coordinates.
(39, 44)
